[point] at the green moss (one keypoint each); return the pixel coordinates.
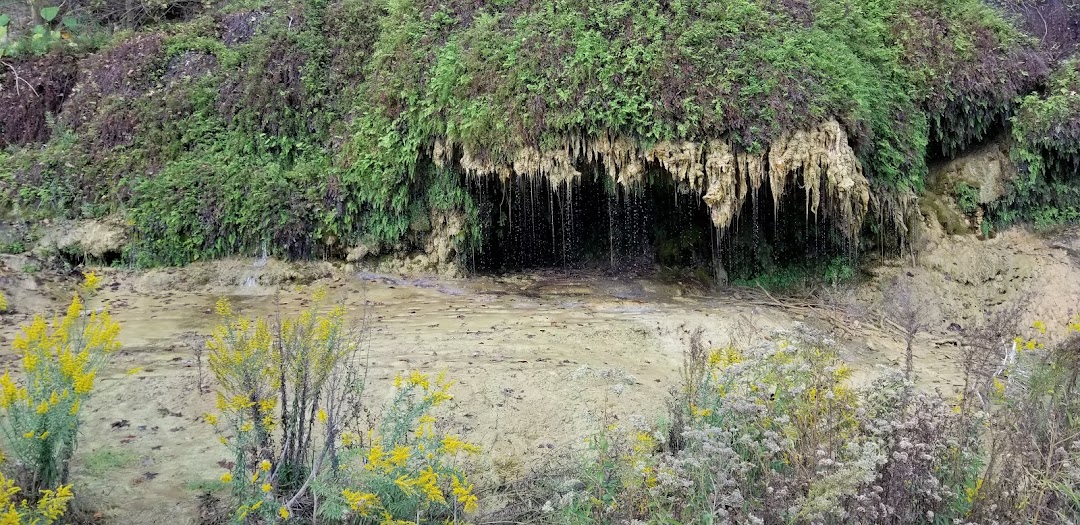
(104, 460)
(932, 205)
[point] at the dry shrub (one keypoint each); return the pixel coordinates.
(1032, 436)
(774, 434)
(1056, 23)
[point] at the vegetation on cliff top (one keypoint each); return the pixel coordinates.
(304, 128)
(1046, 130)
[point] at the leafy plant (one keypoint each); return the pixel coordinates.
(1046, 150)
(289, 402)
(44, 508)
(966, 197)
(776, 434)
(60, 360)
(311, 135)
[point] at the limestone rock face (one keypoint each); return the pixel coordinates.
(819, 160)
(446, 229)
(92, 238)
(988, 169)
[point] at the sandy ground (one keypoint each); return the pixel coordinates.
(537, 358)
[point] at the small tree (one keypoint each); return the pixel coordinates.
(910, 310)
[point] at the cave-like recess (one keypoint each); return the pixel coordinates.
(593, 223)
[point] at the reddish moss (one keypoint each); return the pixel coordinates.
(29, 91)
(126, 70)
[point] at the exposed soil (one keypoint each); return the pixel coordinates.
(538, 358)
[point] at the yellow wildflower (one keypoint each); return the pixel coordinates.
(418, 379)
(842, 372)
(43, 407)
(973, 492)
(428, 481)
(53, 503)
(283, 513)
(91, 282)
(361, 502)
(211, 419)
(84, 382)
(226, 477)
(349, 439)
(321, 416)
(405, 484)
(464, 495)
(8, 390)
(452, 445)
(247, 427)
(399, 455)
(375, 457)
(223, 308)
(266, 487)
(265, 465)
(426, 425)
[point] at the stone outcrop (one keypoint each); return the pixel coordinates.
(819, 162)
(97, 239)
(987, 169)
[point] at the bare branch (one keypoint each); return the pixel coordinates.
(19, 78)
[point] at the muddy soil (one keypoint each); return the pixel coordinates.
(538, 358)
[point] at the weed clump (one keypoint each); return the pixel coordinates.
(291, 412)
(41, 407)
(776, 434)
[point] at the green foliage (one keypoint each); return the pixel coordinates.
(49, 13)
(966, 197)
(55, 34)
(104, 460)
(307, 128)
(795, 276)
(1046, 135)
(215, 202)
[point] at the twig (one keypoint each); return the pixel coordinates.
(19, 78)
